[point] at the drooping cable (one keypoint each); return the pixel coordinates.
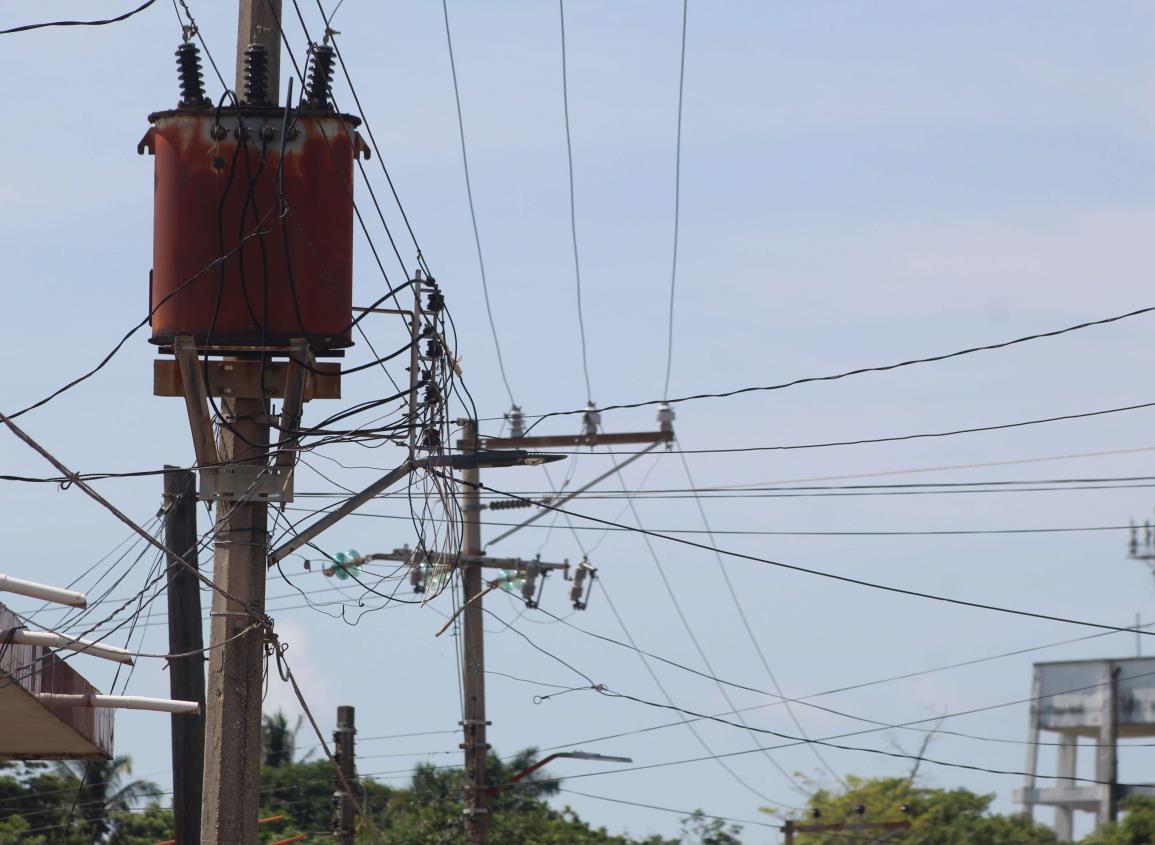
(677, 204)
(750, 633)
(572, 204)
(472, 210)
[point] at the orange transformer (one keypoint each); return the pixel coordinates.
(252, 225)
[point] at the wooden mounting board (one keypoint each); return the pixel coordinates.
(241, 379)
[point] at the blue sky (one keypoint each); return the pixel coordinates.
(861, 184)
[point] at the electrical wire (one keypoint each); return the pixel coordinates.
(857, 371)
(104, 22)
(472, 210)
(572, 204)
(677, 203)
(836, 577)
(750, 632)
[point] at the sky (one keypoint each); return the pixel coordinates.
(861, 184)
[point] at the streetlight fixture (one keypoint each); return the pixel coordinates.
(479, 459)
(571, 755)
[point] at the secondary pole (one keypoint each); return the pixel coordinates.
(344, 817)
(473, 724)
(232, 778)
(186, 675)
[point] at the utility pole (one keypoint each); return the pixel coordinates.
(473, 723)
(186, 673)
(478, 819)
(233, 718)
(344, 817)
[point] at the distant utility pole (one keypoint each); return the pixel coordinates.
(887, 828)
(233, 720)
(344, 815)
(186, 674)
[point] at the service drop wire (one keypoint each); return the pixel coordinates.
(858, 371)
(1048, 617)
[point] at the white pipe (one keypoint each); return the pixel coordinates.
(51, 640)
(122, 702)
(8, 584)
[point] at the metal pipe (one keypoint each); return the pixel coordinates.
(52, 640)
(56, 595)
(120, 702)
(580, 490)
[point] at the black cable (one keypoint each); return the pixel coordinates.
(750, 631)
(677, 203)
(841, 747)
(980, 532)
(834, 576)
(697, 644)
(858, 371)
(472, 211)
(117, 19)
(572, 202)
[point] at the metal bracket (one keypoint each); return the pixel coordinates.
(196, 399)
(235, 481)
(301, 360)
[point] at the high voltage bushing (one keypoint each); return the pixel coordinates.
(192, 85)
(321, 77)
(256, 75)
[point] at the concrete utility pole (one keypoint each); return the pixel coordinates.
(477, 821)
(344, 815)
(186, 675)
(232, 777)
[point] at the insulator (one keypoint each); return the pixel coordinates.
(516, 422)
(192, 84)
(432, 394)
(436, 302)
(509, 504)
(591, 420)
(431, 438)
(434, 349)
(321, 77)
(256, 75)
(665, 417)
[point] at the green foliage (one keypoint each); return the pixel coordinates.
(278, 740)
(937, 816)
(1137, 827)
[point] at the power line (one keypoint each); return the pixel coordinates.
(750, 631)
(31, 26)
(472, 210)
(684, 813)
(677, 204)
(887, 439)
(572, 212)
(694, 639)
(835, 577)
(859, 370)
(948, 532)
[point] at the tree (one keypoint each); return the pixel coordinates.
(937, 816)
(697, 829)
(278, 740)
(102, 790)
(1137, 827)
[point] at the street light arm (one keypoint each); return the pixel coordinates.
(346, 508)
